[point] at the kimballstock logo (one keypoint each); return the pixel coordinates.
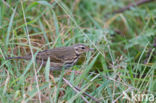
(138, 97)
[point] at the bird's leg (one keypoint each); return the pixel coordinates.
(52, 78)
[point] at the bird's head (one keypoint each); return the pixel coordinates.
(81, 48)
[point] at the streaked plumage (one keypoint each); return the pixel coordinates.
(59, 57)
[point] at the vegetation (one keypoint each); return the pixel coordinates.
(123, 62)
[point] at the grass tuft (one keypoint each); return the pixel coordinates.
(123, 61)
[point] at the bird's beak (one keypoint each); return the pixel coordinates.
(91, 49)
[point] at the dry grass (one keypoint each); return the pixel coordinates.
(122, 41)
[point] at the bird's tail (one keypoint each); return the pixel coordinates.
(8, 58)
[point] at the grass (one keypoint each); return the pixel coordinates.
(117, 67)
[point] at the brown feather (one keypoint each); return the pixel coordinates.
(59, 57)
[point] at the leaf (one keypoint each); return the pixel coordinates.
(47, 69)
(9, 27)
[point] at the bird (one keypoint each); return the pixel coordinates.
(61, 57)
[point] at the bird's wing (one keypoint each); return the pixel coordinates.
(43, 55)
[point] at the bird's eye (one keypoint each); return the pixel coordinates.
(83, 47)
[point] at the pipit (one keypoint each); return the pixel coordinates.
(63, 57)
